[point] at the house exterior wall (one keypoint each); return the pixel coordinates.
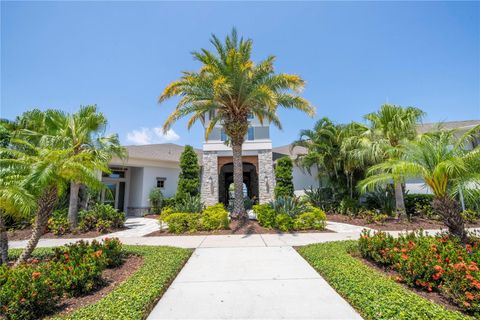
(303, 180)
(135, 187)
(150, 175)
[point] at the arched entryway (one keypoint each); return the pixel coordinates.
(250, 180)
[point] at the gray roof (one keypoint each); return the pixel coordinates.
(162, 151)
(285, 150)
(448, 125)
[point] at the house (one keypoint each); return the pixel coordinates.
(157, 165)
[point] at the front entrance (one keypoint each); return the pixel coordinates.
(114, 191)
(225, 183)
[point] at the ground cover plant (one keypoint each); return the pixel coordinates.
(431, 263)
(290, 213)
(132, 299)
(373, 294)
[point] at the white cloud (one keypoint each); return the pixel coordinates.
(151, 135)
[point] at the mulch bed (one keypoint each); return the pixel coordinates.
(24, 234)
(433, 296)
(250, 227)
(152, 216)
(112, 278)
(392, 224)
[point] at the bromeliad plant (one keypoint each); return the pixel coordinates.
(230, 86)
(441, 160)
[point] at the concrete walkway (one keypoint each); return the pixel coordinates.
(250, 283)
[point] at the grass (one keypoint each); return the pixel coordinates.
(136, 296)
(373, 294)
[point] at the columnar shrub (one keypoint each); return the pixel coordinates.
(284, 178)
(189, 177)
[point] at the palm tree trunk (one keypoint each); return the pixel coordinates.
(84, 197)
(399, 201)
(46, 204)
(73, 204)
(450, 210)
(3, 240)
(238, 205)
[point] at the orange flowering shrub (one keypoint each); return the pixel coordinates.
(34, 289)
(432, 263)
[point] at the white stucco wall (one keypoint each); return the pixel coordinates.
(303, 180)
(135, 187)
(150, 175)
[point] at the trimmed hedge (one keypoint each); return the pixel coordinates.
(135, 297)
(372, 293)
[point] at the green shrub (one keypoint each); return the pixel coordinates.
(349, 206)
(373, 294)
(168, 203)
(102, 217)
(419, 205)
(32, 290)
(284, 222)
(373, 216)
(215, 217)
(265, 215)
(189, 203)
(58, 222)
(155, 198)
(181, 222)
(314, 219)
(28, 291)
(470, 216)
(284, 178)
(321, 198)
(431, 263)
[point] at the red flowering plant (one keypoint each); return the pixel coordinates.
(432, 263)
(28, 290)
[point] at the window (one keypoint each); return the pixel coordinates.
(250, 134)
(223, 135)
(161, 182)
(115, 173)
(250, 116)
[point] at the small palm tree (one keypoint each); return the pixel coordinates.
(231, 86)
(441, 160)
(382, 139)
(49, 171)
(83, 131)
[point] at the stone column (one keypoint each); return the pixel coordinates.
(209, 189)
(266, 178)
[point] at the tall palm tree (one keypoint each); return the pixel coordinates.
(231, 86)
(85, 131)
(441, 160)
(385, 132)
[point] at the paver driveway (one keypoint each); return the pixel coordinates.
(250, 283)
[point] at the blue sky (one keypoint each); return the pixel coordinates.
(353, 56)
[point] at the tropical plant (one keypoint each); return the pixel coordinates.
(230, 87)
(320, 197)
(291, 206)
(192, 204)
(442, 161)
(284, 177)
(83, 132)
(49, 170)
(155, 197)
(382, 139)
(189, 177)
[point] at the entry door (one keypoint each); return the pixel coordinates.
(114, 194)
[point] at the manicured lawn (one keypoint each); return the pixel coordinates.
(136, 296)
(374, 295)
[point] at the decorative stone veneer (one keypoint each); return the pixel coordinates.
(266, 178)
(209, 188)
